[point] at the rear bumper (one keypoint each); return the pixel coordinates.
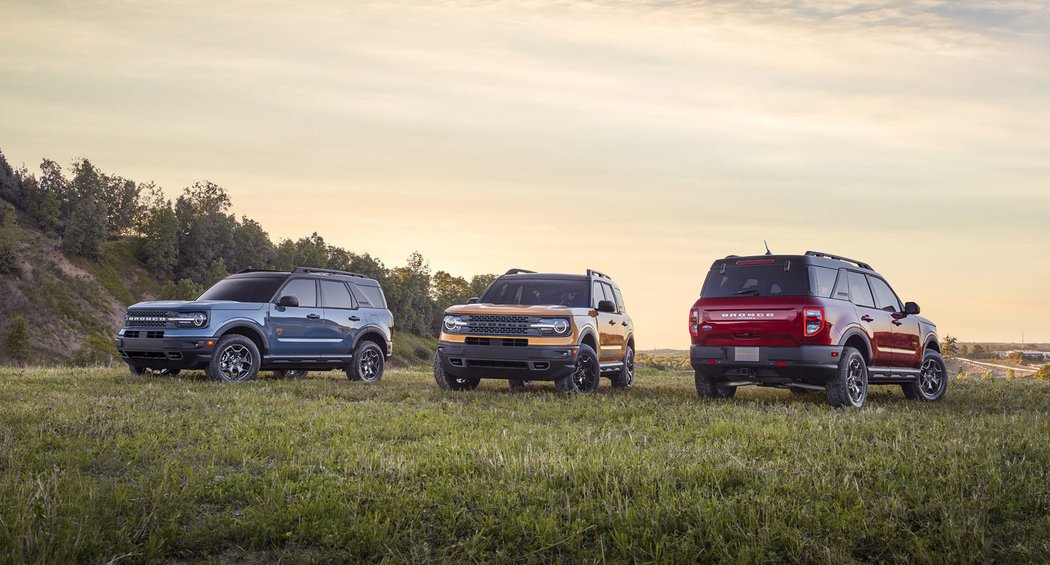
(536, 363)
(811, 364)
(186, 352)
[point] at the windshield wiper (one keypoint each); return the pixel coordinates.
(749, 291)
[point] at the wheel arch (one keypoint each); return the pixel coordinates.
(373, 334)
(587, 336)
(857, 339)
(248, 330)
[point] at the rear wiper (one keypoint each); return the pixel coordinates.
(751, 291)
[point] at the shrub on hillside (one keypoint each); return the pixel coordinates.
(1043, 374)
(97, 350)
(8, 255)
(17, 340)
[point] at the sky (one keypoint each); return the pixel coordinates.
(641, 138)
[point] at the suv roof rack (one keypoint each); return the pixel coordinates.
(327, 272)
(860, 264)
(517, 271)
(242, 271)
(593, 273)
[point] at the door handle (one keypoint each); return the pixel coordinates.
(897, 322)
(867, 318)
(355, 319)
(625, 324)
(612, 322)
(314, 316)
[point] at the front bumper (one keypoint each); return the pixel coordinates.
(811, 364)
(533, 362)
(173, 352)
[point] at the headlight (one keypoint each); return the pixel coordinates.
(453, 324)
(553, 326)
(190, 319)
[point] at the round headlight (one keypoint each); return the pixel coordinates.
(199, 319)
(450, 324)
(561, 325)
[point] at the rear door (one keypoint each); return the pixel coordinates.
(878, 323)
(906, 339)
(342, 318)
(297, 330)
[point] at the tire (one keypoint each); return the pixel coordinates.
(849, 387)
(291, 374)
(148, 372)
(585, 376)
(933, 379)
(518, 384)
(236, 359)
(625, 378)
(708, 387)
(368, 363)
(446, 381)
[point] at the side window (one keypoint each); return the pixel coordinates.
(619, 300)
(859, 292)
(303, 289)
(609, 295)
(841, 286)
(885, 299)
(335, 294)
(369, 296)
(821, 281)
(597, 294)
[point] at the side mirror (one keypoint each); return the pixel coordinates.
(288, 302)
(911, 308)
(473, 300)
(607, 306)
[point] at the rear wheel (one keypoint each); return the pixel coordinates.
(933, 379)
(236, 359)
(148, 372)
(291, 374)
(849, 387)
(708, 387)
(625, 378)
(446, 381)
(585, 375)
(367, 364)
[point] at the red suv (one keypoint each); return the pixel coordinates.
(813, 322)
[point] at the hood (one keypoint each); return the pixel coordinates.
(521, 310)
(195, 305)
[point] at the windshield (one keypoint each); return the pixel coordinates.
(532, 292)
(256, 290)
(728, 279)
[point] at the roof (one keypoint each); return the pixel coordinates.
(810, 258)
(317, 273)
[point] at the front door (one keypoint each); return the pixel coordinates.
(906, 339)
(610, 341)
(296, 331)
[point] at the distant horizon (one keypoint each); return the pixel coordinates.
(640, 138)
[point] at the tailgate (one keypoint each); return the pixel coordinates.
(751, 321)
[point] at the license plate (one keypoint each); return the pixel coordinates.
(746, 354)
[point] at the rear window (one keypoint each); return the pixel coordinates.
(531, 292)
(775, 278)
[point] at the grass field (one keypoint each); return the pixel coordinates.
(96, 466)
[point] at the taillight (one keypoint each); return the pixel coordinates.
(814, 320)
(694, 322)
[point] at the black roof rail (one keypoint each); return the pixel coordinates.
(593, 273)
(732, 256)
(517, 271)
(860, 264)
(327, 272)
(242, 271)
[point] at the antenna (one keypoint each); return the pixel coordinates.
(768, 252)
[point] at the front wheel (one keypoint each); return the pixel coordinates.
(849, 387)
(585, 375)
(446, 381)
(933, 379)
(367, 364)
(236, 359)
(708, 387)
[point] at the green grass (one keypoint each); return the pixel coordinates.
(95, 466)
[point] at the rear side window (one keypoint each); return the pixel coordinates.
(859, 292)
(370, 296)
(775, 278)
(303, 289)
(335, 294)
(842, 286)
(822, 281)
(885, 299)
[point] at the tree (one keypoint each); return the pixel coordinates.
(447, 290)
(17, 339)
(205, 230)
(184, 289)
(251, 247)
(216, 272)
(86, 231)
(160, 248)
(1043, 374)
(44, 197)
(86, 184)
(125, 204)
(408, 296)
(1015, 357)
(480, 283)
(8, 246)
(12, 188)
(950, 346)
(977, 351)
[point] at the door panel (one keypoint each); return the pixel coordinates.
(297, 331)
(905, 340)
(342, 319)
(608, 339)
(878, 323)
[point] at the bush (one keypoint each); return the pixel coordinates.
(8, 255)
(97, 350)
(962, 376)
(1011, 374)
(17, 340)
(1043, 374)
(987, 376)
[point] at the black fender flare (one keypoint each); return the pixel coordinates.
(247, 324)
(863, 335)
(367, 330)
(930, 339)
(589, 331)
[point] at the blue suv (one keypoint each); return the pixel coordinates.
(290, 323)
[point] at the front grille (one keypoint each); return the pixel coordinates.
(498, 324)
(148, 318)
(131, 333)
